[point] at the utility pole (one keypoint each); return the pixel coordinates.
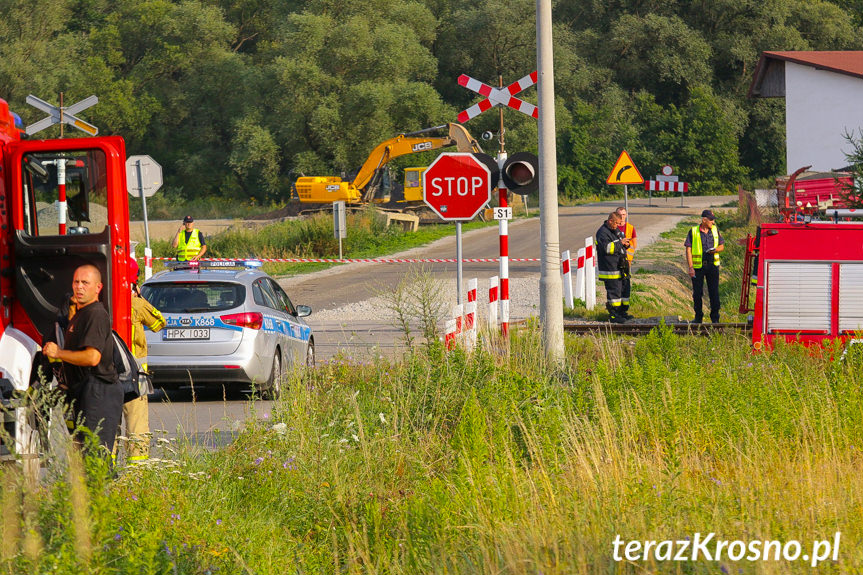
(550, 285)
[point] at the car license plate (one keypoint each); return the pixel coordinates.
(186, 333)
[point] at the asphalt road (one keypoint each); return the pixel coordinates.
(210, 417)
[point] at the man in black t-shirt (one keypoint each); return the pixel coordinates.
(88, 372)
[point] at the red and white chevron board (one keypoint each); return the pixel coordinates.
(655, 186)
(498, 96)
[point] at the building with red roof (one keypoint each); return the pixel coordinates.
(823, 94)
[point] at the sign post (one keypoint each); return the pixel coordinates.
(501, 97)
(143, 179)
(456, 187)
(340, 227)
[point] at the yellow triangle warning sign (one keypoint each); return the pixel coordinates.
(624, 171)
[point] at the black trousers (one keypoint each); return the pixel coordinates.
(100, 407)
(614, 293)
(710, 274)
(626, 290)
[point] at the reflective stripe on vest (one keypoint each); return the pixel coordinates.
(697, 248)
(186, 251)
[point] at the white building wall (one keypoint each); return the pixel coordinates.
(820, 107)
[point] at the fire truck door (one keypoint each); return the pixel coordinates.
(45, 259)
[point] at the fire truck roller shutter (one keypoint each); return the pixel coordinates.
(798, 297)
(850, 297)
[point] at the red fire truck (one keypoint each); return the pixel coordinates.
(808, 278)
(42, 183)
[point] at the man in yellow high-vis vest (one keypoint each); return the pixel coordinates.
(189, 242)
(703, 244)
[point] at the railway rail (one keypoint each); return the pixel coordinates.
(643, 328)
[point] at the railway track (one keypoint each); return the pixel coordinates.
(643, 328)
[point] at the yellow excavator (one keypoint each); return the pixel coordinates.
(366, 186)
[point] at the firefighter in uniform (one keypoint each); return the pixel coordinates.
(703, 244)
(136, 411)
(189, 242)
(612, 263)
(628, 231)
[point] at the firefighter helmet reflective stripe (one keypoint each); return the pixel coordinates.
(697, 248)
(188, 250)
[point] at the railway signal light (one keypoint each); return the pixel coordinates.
(521, 173)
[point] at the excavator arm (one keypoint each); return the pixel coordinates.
(410, 143)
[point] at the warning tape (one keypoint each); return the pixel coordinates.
(366, 261)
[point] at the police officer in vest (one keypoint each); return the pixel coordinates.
(703, 244)
(189, 243)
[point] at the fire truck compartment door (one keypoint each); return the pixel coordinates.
(798, 297)
(44, 266)
(850, 297)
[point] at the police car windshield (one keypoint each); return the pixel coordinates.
(194, 297)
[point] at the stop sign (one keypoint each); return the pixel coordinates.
(456, 186)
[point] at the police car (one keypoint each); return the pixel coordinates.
(228, 322)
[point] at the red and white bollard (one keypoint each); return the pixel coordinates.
(567, 279)
(579, 275)
(470, 315)
(504, 252)
(589, 275)
(453, 327)
(148, 263)
(492, 302)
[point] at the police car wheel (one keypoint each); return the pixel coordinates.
(274, 386)
(310, 355)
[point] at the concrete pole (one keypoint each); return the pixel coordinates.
(550, 285)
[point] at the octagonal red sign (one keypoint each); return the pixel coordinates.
(456, 186)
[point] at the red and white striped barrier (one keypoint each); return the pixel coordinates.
(470, 315)
(567, 279)
(366, 261)
(657, 186)
(492, 302)
(579, 275)
(589, 275)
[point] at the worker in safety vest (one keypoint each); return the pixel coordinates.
(628, 231)
(136, 411)
(189, 242)
(703, 244)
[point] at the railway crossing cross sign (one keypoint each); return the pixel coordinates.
(498, 96)
(64, 114)
(457, 186)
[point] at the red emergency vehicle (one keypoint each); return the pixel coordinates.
(43, 240)
(808, 279)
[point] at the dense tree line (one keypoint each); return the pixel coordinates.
(235, 98)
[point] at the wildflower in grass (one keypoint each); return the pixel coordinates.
(382, 418)
(117, 537)
(258, 460)
(218, 521)
(280, 428)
